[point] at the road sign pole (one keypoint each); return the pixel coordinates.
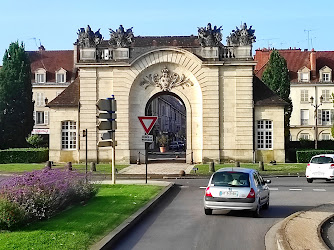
(113, 177)
(146, 160)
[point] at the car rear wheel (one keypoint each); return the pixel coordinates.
(309, 180)
(266, 205)
(256, 213)
(207, 211)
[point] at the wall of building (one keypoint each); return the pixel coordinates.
(275, 114)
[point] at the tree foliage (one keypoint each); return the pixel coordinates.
(276, 77)
(16, 106)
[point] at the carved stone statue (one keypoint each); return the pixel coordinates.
(209, 37)
(241, 37)
(166, 81)
(87, 38)
(121, 38)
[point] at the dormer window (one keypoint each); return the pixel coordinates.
(61, 76)
(325, 74)
(40, 76)
(304, 75)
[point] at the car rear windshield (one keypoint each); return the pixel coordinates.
(227, 179)
(322, 160)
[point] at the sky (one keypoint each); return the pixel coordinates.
(278, 24)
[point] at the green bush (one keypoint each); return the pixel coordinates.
(35, 140)
(306, 155)
(24, 155)
(11, 214)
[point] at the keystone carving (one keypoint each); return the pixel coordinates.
(121, 38)
(241, 37)
(209, 37)
(166, 81)
(87, 38)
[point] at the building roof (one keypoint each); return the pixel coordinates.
(69, 97)
(52, 61)
(296, 59)
(148, 41)
(264, 96)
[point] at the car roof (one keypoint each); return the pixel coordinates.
(324, 155)
(237, 169)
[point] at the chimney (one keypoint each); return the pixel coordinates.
(313, 62)
(41, 48)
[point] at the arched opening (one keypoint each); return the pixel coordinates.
(170, 130)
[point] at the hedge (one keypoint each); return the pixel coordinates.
(24, 155)
(306, 155)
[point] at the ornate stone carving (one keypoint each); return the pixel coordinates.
(241, 37)
(121, 38)
(166, 81)
(87, 38)
(209, 37)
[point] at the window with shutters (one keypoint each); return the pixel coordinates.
(40, 101)
(68, 135)
(325, 136)
(304, 116)
(41, 117)
(326, 95)
(304, 136)
(325, 117)
(264, 134)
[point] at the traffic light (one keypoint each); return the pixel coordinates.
(107, 121)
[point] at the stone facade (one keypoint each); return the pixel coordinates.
(219, 101)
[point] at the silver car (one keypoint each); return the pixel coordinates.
(236, 189)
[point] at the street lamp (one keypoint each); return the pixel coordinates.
(316, 106)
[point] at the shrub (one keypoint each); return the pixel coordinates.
(11, 214)
(35, 140)
(45, 192)
(306, 155)
(24, 155)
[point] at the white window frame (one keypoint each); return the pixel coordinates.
(304, 76)
(264, 138)
(61, 73)
(41, 117)
(325, 136)
(304, 116)
(68, 135)
(325, 117)
(326, 95)
(304, 136)
(326, 77)
(40, 76)
(304, 95)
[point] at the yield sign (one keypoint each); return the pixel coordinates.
(147, 122)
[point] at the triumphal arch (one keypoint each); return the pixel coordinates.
(230, 114)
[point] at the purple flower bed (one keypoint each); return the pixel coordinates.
(41, 194)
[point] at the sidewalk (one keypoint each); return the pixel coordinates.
(301, 230)
(157, 168)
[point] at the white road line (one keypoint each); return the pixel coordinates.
(319, 190)
(295, 189)
(275, 189)
(202, 187)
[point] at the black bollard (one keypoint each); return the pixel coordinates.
(92, 167)
(212, 167)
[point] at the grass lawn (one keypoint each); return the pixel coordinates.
(27, 167)
(279, 169)
(81, 226)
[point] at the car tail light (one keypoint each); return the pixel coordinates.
(251, 193)
(208, 192)
(331, 166)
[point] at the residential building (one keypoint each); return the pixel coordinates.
(311, 90)
(52, 72)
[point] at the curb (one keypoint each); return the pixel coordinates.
(301, 230)
(109, 240)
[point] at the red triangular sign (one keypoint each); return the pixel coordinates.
(147, 122)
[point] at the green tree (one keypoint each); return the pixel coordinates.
(16, 106)
(276, 77)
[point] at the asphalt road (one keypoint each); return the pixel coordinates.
(179, 221)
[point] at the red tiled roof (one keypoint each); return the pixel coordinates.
(52, 61)
(69, 97)
(296, 59)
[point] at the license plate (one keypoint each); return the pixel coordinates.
(229, 193)
(318, 173)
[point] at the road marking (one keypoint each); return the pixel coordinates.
(319, 190)
(202, 187)
(274, 189)
(295, 189)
